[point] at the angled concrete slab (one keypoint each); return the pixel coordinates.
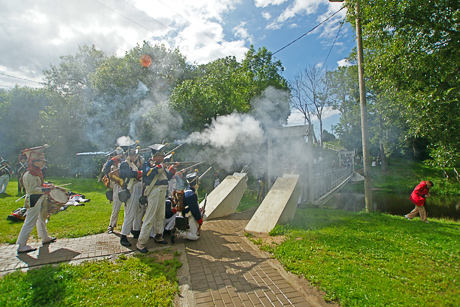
(226, 197)
(278, 207)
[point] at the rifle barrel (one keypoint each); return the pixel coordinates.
(173, 149)
(191, 166)
(205, 172)
(91, 153)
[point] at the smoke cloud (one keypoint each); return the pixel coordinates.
(226, 131)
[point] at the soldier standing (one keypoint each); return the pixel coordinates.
(155, 178)
(110, 170)
(5, 174)
(35, 199)
(20, 169)
(131, 176)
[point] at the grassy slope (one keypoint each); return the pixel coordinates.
(373, 259)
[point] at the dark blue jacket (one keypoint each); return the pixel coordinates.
(149, 172)
(191, 204)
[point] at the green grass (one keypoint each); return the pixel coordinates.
(373, 259)
(139, 280)
(249, 200)
(76, 221)
(404, 175)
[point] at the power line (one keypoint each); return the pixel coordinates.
(151, 31)
(130, 18)
(1, 73)
(308, 31)
(335, 40)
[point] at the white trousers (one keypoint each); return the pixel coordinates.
(192, 232)
(116, 205)
(131, 210)
(140, 212)
(4, 179)
(34, 217)
(154, 214)
(169, 224)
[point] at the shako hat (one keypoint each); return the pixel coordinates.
(157, 149)
(192, 178)
(35, 153)
(132, 149)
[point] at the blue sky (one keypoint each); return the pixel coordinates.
(36, 33)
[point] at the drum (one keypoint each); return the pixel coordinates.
(57, 198)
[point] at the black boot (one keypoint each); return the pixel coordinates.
(173, 235)
(124, 241)
(135, 233)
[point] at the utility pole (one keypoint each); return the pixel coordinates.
(363, 105)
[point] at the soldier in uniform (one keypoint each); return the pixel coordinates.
(155, 178)
(131, 176)
(5, 174)
(192, 211)
(35, 199)
(20, 169)
(110, 168)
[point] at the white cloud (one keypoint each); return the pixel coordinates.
(299, 7)
(243, 33)
(39, 32)
(265, 3)
(344, 62)
(266, 15)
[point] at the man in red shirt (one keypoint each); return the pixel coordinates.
(418, 197)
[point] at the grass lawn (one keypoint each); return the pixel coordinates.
(76, 221)
(139, 280)
(358, 259)
(373, 259)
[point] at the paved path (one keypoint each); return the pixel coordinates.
(223, 268)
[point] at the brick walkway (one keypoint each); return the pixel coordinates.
(223, 268)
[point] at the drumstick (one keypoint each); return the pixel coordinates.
(62, 185)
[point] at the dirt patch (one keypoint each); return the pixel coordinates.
(273, 240)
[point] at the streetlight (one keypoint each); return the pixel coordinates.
(363, 105)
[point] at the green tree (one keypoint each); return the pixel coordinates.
(20, 120)
(344, 97)
(222, 89)
(224, 86)
(412, 56)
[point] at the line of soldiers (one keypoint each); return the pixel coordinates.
(143, 188)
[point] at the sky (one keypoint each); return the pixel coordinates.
(35, 34)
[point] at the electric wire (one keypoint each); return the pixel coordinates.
(151, 31)
(2, 73)
(177, 33)
(325, 20)
(335, 40)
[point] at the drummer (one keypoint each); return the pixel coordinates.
(37, 192)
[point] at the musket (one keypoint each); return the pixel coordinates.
(23, 166)
(205, 201)
(91, 153)
(143, 150)
(246, 167)
(171, 151)
(180, 162)
(189, 167)
(35, 148)
(205, 172)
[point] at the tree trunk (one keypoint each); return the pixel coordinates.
(384, 166)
